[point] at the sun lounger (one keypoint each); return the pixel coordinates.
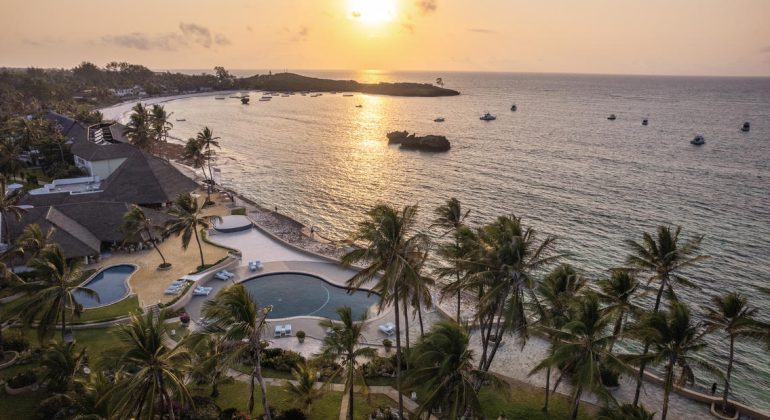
(172, 290)
(179, 282)
(387, 329)
(279, 331)
(255, 265)
(228, 274)
(287, 329)
(202, 291)
(221, 276)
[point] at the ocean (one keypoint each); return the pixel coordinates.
(557, 162)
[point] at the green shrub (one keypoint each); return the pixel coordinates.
(55, 407)
(238, 211)
(280, 359)
(379, 366)
(14, 340)
(22, 379)
(292, 414)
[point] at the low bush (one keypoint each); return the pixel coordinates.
(14, 340)
(22, 379)
(204, 409)
(238, 211)
(58, 406)
(280, 359)
(292, 414)
(379, 366)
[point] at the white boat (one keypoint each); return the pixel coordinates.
(746, 127)
(181, 119)
(285, 95)
(612, 117)
(265, 99)
(513, 108)
(698, 140)
(347, 94)
(487, 117)
(439, 119)
(645, 121)
(220, 98)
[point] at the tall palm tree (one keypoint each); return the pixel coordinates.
(138, 129)
(451, 217)
(136, 223)
(9, 207)
(663, 258)
(303, 389)
(160, 124)
(208, 142)
(10, 150)
(7, 279)
(343, 344)
(442, 372)
(61, 362)
(556, 292)
(732, 314)
(52, 295)
(235, 316)
(388, 244)
(151, 375)
(509, 254)
(186, 219)
(210, 357)
(675, 341)
(194, 153)
(617, 292)
(582, 344)
(462, 253)
(32, 240)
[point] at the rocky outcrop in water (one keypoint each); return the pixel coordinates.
(428, 143)
(290, 82)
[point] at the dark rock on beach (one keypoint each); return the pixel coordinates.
(428, 143)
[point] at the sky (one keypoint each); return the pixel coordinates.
(671, 37)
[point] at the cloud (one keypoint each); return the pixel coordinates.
(190, 34)
(300, 35)
(427, 6)
(765, 50)
(481, 31)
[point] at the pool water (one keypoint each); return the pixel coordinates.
(111, 284)
(293, 294)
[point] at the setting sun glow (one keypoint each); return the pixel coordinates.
(372, 11)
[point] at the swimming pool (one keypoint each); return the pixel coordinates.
(111, 284)
(295, 294)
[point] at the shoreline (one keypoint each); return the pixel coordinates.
(117, 111)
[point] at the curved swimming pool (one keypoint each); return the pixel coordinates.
(111, 284)
(295, 294)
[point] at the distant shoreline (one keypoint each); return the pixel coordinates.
(117, 111)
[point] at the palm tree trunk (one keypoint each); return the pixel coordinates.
(155, 245)
(729, 372)
(616, 331)
(406, 328)
(200, 248)
(258, 373)
(419, 315)
(667, 388)
(576, 403)
(497, 341)
(458, 305)
(165, 398)
(547, 388)
(643, 365)
(211, 184)
(398, 355)
(63, 322)
(486, 332)
(350, 400)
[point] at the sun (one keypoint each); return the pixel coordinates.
(372, 11)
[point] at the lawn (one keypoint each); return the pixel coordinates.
(525, 402)
(118, 309)
(20, 406)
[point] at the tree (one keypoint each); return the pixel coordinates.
(557, 290)
(675, 341)
(664, 259)
(138, 130)
(582, 345)
(234, 314)
(303, 387)
(186, 219)
(32, 240)
(9, 207)
(207, 142)
(136, 223)
(194, 153)
(343, 344)
(388, 245)
(617, 292)
(451, 217)
(210, 359)
(462, 253)
(61, 362)
(442, 373)
(7, 279)
(509, 254)
(53, 293)
(149, 373)
(160, 124)
(732, 314)
(440, 81)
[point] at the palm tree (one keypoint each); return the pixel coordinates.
(451, 217)
(150, 374)
(509, 254)
(625, 412)
(303, 387)
(732, 314)
(138, 129)
(388, 246)
(582, 345)
(194, 153)
(53, 293)
(159, 123)
(234, 314)
(7, 279)
(186, 219)
(207, 141)
(210, 359)
(61, 362)
(675, 340)
(617, 292)
(463, 253)
(9, 207)
(343, 344)
(10, 150)
(664, 259)
(442, 372)
(136, 223)
(556, 292)
(32, 240)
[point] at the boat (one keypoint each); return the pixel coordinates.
(245, 100)
(181, 119)
(612, 117)
(746, 127)
(347, 94)
(645, 121)
(487, 117)
(235, 97)
(219, 98)
(359, 106)
(698, 140)
(265, 99)
(513, 108)
(285, 95)
(439, 119)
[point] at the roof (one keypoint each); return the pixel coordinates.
(81, 228)
(92, 152)
(71, 129)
